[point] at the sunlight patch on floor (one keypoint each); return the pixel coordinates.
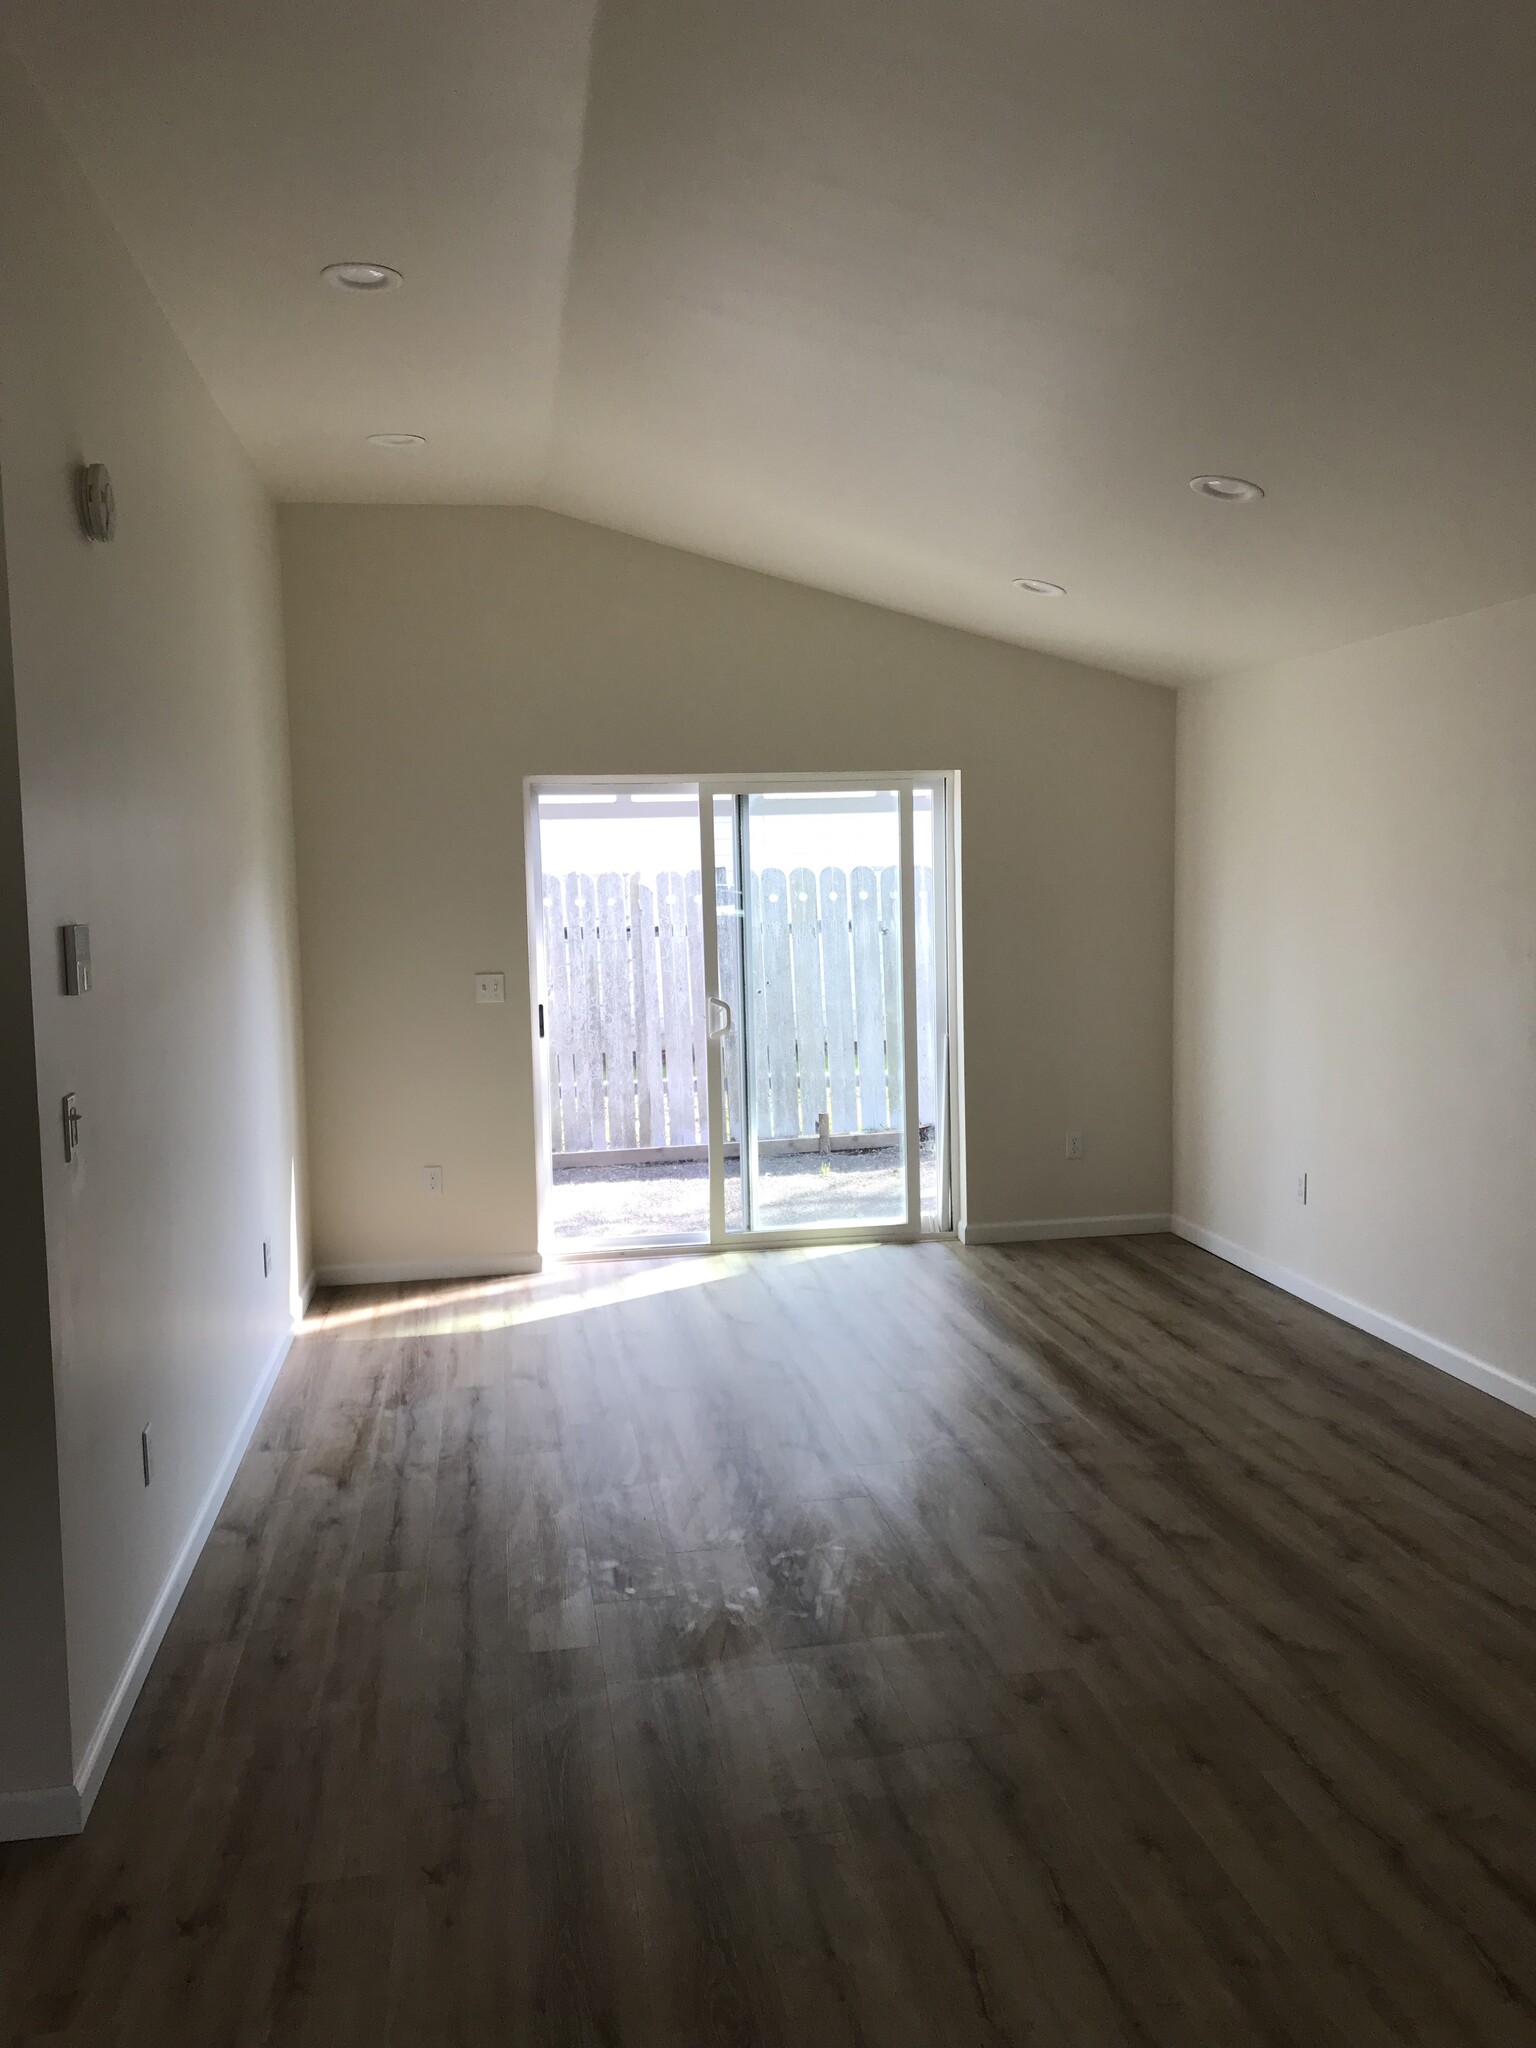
(561, 1290)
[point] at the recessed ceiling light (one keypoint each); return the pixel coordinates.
(361, 277)
(1226, 490)
(397, 440)
(1038, 587)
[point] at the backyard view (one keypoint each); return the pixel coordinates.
(813, 970)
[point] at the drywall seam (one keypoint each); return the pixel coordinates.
(1462, 1365)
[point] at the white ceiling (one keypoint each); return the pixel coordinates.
(899, 297)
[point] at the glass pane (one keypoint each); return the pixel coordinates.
(624, 994)
(730, 931)
(824, 1038)
(930, 1073)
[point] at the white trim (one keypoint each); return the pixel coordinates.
(910, 1107)
(307, 1293)
(380, 1271)
(32, 1816)
(714, 1041)
(1060, 1226)
(1462, 1365)
(705, 789)
(92, 1767)
(538, 1001)
(946, 1002)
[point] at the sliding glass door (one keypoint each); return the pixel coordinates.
(752, 1047)
(813, 1010)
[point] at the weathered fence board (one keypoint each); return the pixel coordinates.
(571, 1131)
(868, 999)
(890, 968)
(586, 996)
(775, 1011)
(676, 1007)
(624, 958)
(837, 971)
(616, 1009)
(810, 1018)
(693, 889)
(650, 1103)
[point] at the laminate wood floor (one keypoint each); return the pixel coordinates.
(1072, 1644)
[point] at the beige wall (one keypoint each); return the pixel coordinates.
(437, 657)
(151, 744)
(1356, 982)
(34, 1672)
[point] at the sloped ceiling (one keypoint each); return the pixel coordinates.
(904, 300)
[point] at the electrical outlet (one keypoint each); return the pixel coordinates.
(266, 1258)
(1301, 1189)
(432, 1179)
(490, 988)
(147, 1452)
(1074, 1144)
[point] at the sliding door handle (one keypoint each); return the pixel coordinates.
(718, 1007)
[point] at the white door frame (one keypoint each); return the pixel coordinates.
(948, 1061)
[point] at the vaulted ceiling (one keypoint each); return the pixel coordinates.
(904, 298)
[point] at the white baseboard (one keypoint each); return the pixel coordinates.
(1477, 1372)
(385, 1271)
(1060, 1226)
(307, 1293)
(92, 1767)
(32, 1816)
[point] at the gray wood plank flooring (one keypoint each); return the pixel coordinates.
(1072, 1644)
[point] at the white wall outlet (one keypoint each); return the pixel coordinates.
(432, 1179)
(147, 1452)
(1074, 1144)
(266, 1258)
(490, 988)
(1301, 1189)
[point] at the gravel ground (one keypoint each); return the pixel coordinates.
(621, 1203)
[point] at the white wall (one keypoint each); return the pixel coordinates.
(436, 657)
(152, 753)
(1356, 979)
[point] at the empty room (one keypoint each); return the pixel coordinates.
(767, 1024)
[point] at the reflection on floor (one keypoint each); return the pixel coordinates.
(1075, 1644)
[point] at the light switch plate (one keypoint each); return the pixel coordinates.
(490, 988)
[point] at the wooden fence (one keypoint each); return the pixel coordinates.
(624, 959)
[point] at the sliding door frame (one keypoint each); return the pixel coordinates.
(947, 1047)
(751, 1233)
